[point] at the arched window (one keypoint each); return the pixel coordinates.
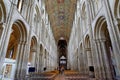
(20, 4)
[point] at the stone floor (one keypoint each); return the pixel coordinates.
(71, 75)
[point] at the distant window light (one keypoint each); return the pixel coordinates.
(61, 38)
(11, 53)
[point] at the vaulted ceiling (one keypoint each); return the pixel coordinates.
(61, 15)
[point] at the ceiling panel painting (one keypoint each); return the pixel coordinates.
(61, 15)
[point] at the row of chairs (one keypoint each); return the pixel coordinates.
(42, 76)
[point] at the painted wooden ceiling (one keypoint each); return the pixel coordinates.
(61, 15)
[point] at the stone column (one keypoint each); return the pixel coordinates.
(44, 61)
(78, 59)
(2, 25)
(82, 66)
(98, 72)
(101, 60)
(85, 62)
(19, 59)
(48, 63)
(40, 62)
(37, 58)
(78, 63)
(7, 33)
(105, 60)
(4, 46)
(89, 56)
(24, 60)
(81, 63)
(33, 57)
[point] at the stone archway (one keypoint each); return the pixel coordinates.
(105, 50)
(89, 56)
(16, 49)
(32, 61)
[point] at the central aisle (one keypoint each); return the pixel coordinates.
(60, 77)
(71, 75)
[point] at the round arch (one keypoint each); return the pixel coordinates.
(81, 59)
(18, 36)
(22, 30)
